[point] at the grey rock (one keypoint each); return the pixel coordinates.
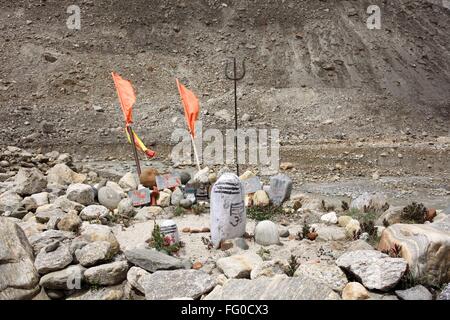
(359, 245)
(329, 233)
(62, 175)
(152, 260)
(29, 181)
(176, 197)
(274, 288)
(68, 205)
(239, 266)
(331, 275)
(9, 201)
(125, 208)
(370, 202)
(94, 253)
(41, 198)
(269, 269)
(55, 294)
(164, 285)
(94, 212)
(58, 259)
(266, 233)
(148, 213)
(18, 276)
(416, 293)
(184, 176)
(43, 239)
(186, 203)
(109, 197)
(280, 189)
(70, 222)
(96, 232)
(107, 274)
(81, 193)
(129, 181)
(240, 243)
(67, 279)
(135, 276)
(375, 269)
(107, 293)
(46, 212)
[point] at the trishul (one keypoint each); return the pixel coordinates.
(235, 77)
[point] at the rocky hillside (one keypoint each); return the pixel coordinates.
(314, 69)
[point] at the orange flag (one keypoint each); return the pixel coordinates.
(191, 106)
(126, 96)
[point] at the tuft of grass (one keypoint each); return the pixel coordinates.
(369, 228)
(198, 209)
(264, 253)
(292, 266)
(414, 213)
(179, 211)
(264, 213)
(362, 216)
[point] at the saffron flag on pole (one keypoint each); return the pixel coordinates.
(126, 95)
(191, 106)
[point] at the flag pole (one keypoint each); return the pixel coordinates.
(195, 153)
(136, 156)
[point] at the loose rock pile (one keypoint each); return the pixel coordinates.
(70, 235)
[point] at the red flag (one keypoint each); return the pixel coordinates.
(126, 95)
(191, 106)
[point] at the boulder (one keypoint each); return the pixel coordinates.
(19, 278)
(67, 279)
(177, 196)
(329, 233)
(68, 205)
(46, 212)
(81, 193)
(106, 293)
(355, 291)
(359, 245)
(94, 253)
(70, 222)
(275, 288)
(43, 239)
(426, 248)
(29, 181)
(135, 276)
(392, 216)
(109, 197)
(49, 261)
(415, 293)
(94, 212)
(261, 199)
(266, 233)
(352, 228)
(163, 199)
(96, 232)
(152, 260)
(280, 189)
(376, 270)
(239, 266)
(370, 202)
(107, 274)
(9, 201)
(269, 269)
(164, 285)
(330, 218)
(343, 221)
(331, 275)
(40, 199)
(125, 208)
(129, 182)
(61, 174)
(148, 213)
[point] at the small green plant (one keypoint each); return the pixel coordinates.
(394, 252)
(362, 216)
(414, 213)
(371, 230)
(264, 253)
(179, 211)
(292, 266)
(198, 209)
(159, 243)
(264, 213)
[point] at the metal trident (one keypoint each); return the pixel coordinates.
(235, 78)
